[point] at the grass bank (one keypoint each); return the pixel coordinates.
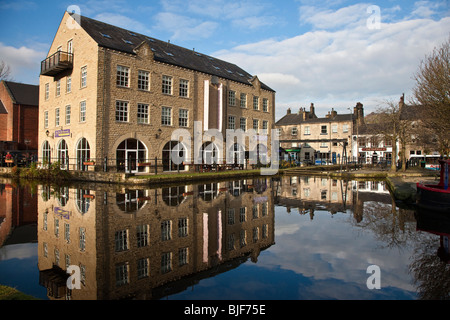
(8, 293)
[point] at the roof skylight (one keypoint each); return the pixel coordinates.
(105, 35)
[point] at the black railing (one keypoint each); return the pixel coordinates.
(122, 165)
(57, 63)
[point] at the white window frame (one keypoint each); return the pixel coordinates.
(166, 116)
(184, 88)
(183, 119)
(255, 103)
(58, 87)
(294, 131)
(243, 102)
(167, 85)
(265, 105)
(45, 119)
(231, 122)
(69, 85)
(123, 76)
(57, 117)
(256, 125)
(334, 128)
(243, 124)
(83, 80)
(122, 111)
(143, 113)
(68, 114)
(232, 98)
(345, 128)
(143, 80)
(83, 111)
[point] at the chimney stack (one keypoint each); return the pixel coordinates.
(333, 113)
(312, 110)
(402, 102)
(358, 113)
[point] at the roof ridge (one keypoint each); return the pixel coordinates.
(200, 62)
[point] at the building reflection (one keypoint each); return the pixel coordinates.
(307, 194)
(149, 243)
(18, 213)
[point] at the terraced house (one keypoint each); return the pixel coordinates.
(304, 137)
(111, 98)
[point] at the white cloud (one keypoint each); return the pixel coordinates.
(184, 28)
(123, 22)
(24, 62)
(330, 19)
(427, 9)
(341, 66)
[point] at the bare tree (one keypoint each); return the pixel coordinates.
(432, 92)
(387, 124)
(5, 71)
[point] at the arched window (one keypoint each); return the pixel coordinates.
(63, 155)
(168, 164)
(174, 196)
(237, 154)
(132, 200)
(83, 201)
(210, 153)
(46, 153)
(129, 153)
(83, 153)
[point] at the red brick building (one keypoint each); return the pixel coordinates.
(19, 116)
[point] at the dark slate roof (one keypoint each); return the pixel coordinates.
(123, 40)
(21, 93)
(2, 108)
(411, 112)
(295, 118)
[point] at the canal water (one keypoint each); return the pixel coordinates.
(288, 238)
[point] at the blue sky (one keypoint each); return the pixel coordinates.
(332, 53)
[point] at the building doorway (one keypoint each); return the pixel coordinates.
(129, 154)
(83, 154)
(63, 155)
(171, 148)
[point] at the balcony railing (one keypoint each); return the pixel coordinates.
(57, 63)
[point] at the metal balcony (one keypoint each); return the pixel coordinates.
(56, 63)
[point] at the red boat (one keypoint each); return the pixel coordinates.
(436, 197)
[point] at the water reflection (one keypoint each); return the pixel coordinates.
(146, 244)
(157, 243)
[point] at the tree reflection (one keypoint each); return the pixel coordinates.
(431, 274)
(430, 266)
(391, 225)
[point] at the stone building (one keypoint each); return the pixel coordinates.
(110, 93)
(18, 117)
(421, 141)
(307, 138)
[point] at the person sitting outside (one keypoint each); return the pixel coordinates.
(9, 159)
